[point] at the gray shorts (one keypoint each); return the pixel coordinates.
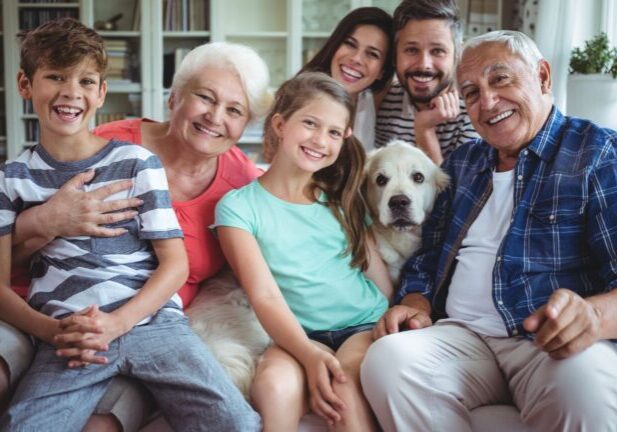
(125, 399)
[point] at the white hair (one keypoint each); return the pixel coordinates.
(240, 60)
(518, 43)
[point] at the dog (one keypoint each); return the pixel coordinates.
(400, 186)
(221, 316)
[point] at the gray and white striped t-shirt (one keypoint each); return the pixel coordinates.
(70, 274)
(395, 120)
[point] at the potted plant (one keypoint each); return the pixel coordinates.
(592, 84)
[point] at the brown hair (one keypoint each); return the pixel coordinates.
(60, 44)
(374, 16)
(420, 10)
(340, 181)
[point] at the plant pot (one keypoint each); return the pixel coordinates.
(593, 97)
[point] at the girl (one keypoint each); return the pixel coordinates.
(358, 55)
(296, 238)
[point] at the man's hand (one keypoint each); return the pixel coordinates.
(566, 325)
(442, 108)
(73, 212)
(398, 317)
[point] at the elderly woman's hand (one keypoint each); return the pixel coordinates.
(73, 212)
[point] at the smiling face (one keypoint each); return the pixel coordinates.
(64, 100)
(359, 61)
(312, 137)
(210, 112)
(508, 101)
(425, 58)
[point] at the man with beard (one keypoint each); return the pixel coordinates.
(422, 106)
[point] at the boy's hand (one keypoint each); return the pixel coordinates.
(321, 369)
(86, 332)
(73, 212)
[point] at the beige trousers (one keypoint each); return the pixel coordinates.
(430, 380)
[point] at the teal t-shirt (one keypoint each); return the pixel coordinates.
(303, 245)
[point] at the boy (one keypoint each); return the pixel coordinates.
(124, 286)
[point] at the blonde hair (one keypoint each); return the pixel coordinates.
(240, 60)
(340, 181)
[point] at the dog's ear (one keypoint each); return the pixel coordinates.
(442, 180)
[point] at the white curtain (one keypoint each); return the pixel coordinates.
(554, 36)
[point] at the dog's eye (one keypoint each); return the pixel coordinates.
(418, 177)
(381, 180)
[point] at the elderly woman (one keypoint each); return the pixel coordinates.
(218, 89)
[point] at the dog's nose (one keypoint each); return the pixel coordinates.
(398, 202)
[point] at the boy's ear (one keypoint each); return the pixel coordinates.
(24, 86)
(348, 132)
(102, 94)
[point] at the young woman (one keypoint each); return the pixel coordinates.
(297, 240)
(358, 55)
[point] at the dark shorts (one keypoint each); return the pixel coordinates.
(335, 338)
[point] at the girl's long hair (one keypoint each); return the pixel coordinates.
(340, 181)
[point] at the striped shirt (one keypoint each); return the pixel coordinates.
(395, 120)
(70, 274)
(563, 230)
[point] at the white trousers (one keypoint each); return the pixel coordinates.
(430, 380)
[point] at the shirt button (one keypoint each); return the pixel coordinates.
(498, 259)
(500, 302)
(551, 217)
(519, 177)
(525, 152)
(515, 332)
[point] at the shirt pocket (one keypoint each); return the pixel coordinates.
(556, 226)
(126, 243)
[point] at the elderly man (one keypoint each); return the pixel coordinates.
(518, 266)
(422, 107)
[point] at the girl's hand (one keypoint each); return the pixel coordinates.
(321, 368)
(84, 333)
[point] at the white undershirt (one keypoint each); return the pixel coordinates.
(364, 124)
(470, 298)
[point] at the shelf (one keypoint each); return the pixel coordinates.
(316, 35)
(123, 87)
(187, 34)
(48, 5)
(257, 35)
(119, 33)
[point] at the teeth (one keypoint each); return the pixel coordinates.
(67, 110)
(351, 72)
(422, 79)
(206, 130)
(500, 117)
(312, 153)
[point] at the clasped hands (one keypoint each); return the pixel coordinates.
(81, 335)
(565, 325)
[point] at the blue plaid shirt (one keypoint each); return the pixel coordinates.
(563, 231)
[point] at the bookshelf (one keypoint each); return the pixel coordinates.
(148, 38)
(3, 123)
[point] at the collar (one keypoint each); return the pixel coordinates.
(545, 144)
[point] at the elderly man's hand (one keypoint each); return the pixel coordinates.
(566, 325)
(400, 316)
